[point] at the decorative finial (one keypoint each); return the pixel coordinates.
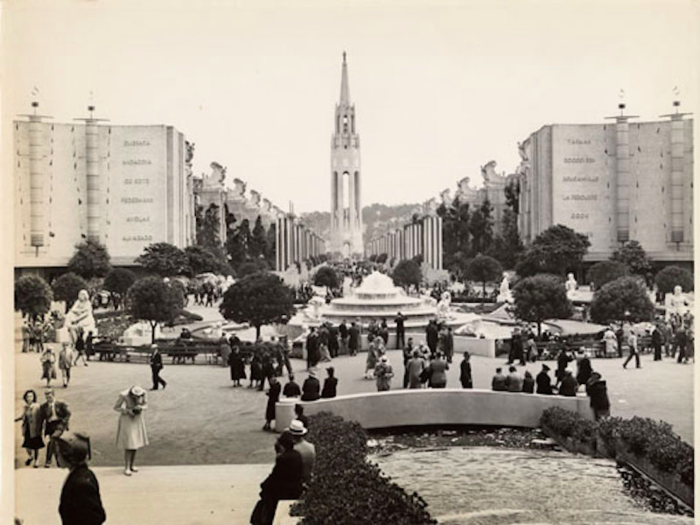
(676, 96)
(35, 95)
(621, 106)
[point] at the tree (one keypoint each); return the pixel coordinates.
(382, 257)
(539, 298)
(507, 247)
(407, 273)
(624, 299)
(208, 226)
(67, 287)
(164, 259)
(326, 276)
(252, 266)
(258, 240)
(633, 255)
(91, 259)
(33, 296)
(672, 276)
(455, 231)
(238, 244)
(154, 300)
(483, 269)
(118, 282)
(201, 260)
(258, 299)
(557, 250)
(481, 228)
(271, 245)
(603, 272)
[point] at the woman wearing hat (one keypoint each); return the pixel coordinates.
(131, 432)
(81, 503)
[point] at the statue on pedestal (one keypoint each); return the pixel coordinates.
(571, 285)
(504, 294)
(676, 303)
(79, 317)
(443, 307)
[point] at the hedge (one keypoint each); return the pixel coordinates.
(346, 489)
(653, 440)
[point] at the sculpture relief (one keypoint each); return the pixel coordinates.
(237, 193)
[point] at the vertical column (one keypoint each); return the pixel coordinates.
(439, 243)
(92, 156)
(37, 197)
(427, 241)
(677, 169)
(622, 168)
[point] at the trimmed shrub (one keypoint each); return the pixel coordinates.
(346, 488)
(653, 440)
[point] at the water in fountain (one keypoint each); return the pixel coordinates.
(494, 486)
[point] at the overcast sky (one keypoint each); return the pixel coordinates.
(440, 89)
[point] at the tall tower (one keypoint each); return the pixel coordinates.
(346, 202)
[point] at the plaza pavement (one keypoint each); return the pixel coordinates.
(206, 443)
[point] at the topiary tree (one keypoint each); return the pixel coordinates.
(539, 298)
(164, 259)
(603, 272)
(406, 273)
(67, 286)
(117, 283)
(259, 299)
(90, 260)
(153, 300)
(624, 299)
(672, 276)
(633, 255)
(326, 276)
(483, 269)
(557, 250)
(33, 296)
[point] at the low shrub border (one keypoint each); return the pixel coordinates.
(651, 446)
(346, 488)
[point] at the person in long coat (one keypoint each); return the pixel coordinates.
(131, 432)
(235, 362)
(383, 373)
(371, 360)
(330, 384)
(65, 362)
(31, 427)
(48, 365)
(544, 382)
(354, 338)
(273, 396)
(414, 369)
(256, 371)
(438, 371)
(597, 390)
(465, 372)
(80, 503)
(563, 360)
(584, 371)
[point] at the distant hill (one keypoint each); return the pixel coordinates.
(376, 218)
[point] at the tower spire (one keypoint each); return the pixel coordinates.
(344, 86)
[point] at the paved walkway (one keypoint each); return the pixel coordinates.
(176, 495)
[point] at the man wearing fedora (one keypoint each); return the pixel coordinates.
(311, 389)
(544, 382)
(305, 449)
(53, 417)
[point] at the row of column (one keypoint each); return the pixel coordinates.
(295, 243)
(423, 237)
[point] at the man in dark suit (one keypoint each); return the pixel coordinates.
(343, 331)
(311, 389)
(284, 482)
(54, 417)
(656, 342)
(431, 336)
(544, 382)
(354, 336)
(156, 362)
(311, 348)
(400, 331)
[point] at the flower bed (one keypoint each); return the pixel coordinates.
(346, 488)
(651, 446)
